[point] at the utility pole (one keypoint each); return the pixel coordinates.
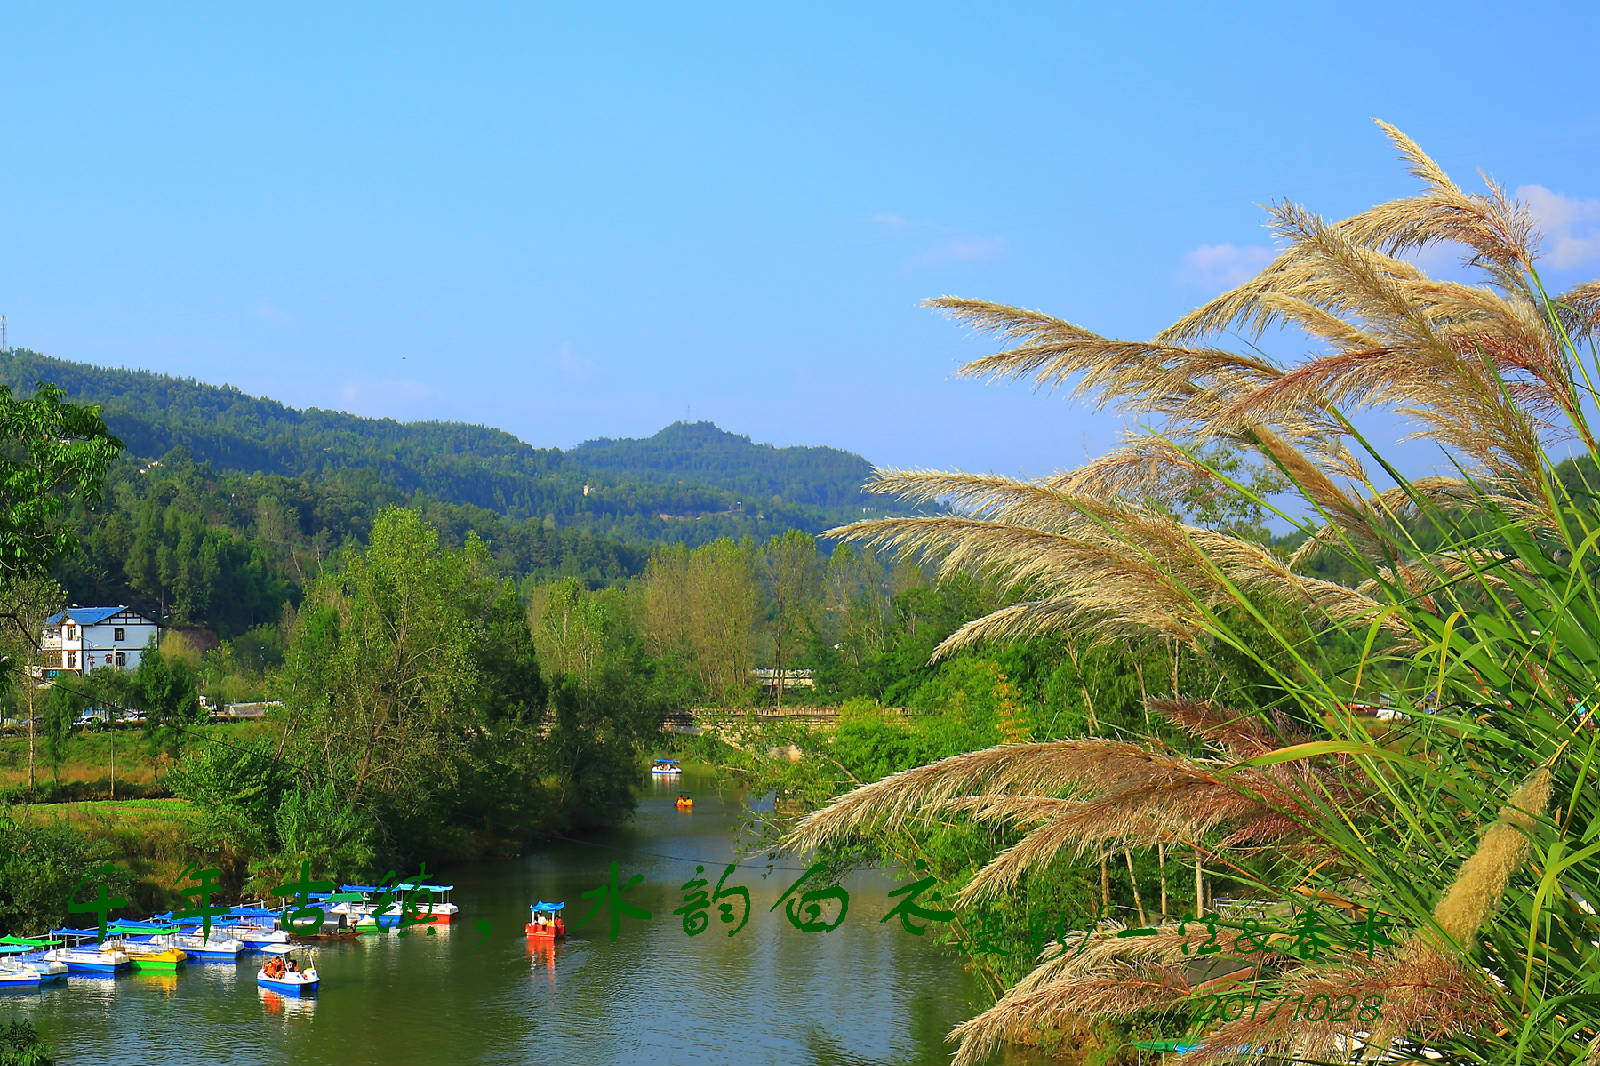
(3, 345)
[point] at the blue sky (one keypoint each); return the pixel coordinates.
(574, 223)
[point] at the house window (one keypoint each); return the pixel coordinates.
(72, 660)
(119, 633)
(122, 656)
(72, 632)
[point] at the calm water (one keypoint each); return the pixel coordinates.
(863, 993)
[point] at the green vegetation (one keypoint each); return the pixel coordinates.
(20, 1045)
(1469, 602)
(690, 482)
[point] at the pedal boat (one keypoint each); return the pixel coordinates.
(537, 930)
(301, 982)
(79, 953)
(218, 947)
(665, 768)
(438, 910)
(16, 951)
(255, 926)
(151, 948)
(19, 971)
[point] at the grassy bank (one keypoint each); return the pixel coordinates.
(150, 838)
(85, 772)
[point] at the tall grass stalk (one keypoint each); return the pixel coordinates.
(1467, 602)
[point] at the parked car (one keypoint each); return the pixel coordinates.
(131, 718)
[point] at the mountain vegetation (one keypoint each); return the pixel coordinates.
(691, 482)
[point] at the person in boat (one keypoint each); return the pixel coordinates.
(561, 927)
(290, 965)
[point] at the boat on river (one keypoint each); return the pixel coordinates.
(665, 768)
(545, 922)
(685, 803)
(18, 969)
(361, 905)
(150, 947)
(219, 945)
(284, 974)
(256, 926)
(79, 951)
(438, 910)
(17, 952)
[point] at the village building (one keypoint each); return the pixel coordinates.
(81, 640)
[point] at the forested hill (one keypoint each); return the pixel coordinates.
(699, 451)
(690, 482)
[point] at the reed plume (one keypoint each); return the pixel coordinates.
(1485, 370)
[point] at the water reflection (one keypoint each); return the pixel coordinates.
(275, 1003)
(544, 953)
(165, 983)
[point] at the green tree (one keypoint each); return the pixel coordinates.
(52, 450)
(20, 1045)
(61, 706)
(793, 573)
(39, 866)
(165, 689)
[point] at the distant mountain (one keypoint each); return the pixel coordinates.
(689, 482)
(687, 452)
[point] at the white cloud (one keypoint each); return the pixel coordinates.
(571, 367)
(1571, 227)
(889, 221)
(940, 245)
(962, 248)
(1224, 265)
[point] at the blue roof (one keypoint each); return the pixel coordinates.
(543, 906)
(85, 616)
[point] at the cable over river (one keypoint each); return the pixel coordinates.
(865, 992)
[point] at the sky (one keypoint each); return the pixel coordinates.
(573, 221)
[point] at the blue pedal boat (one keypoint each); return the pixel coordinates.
(275, 975)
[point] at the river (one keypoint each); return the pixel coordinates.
(865, 992)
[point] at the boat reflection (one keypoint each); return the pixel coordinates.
(543, 955)
(166, 983)
(285, 1006)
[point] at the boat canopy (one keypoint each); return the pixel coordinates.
(92, 934)
(193, 920)
(282, 949)
(122, 925)
(543, 906)
(346, 897)
(363, 888)
(16, 949)
(666, 762)
(412, 886)
(254, 912)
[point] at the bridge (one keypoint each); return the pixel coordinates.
(697, 720)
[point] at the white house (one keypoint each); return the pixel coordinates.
(81, 640)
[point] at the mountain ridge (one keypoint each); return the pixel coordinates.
(690, 481)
